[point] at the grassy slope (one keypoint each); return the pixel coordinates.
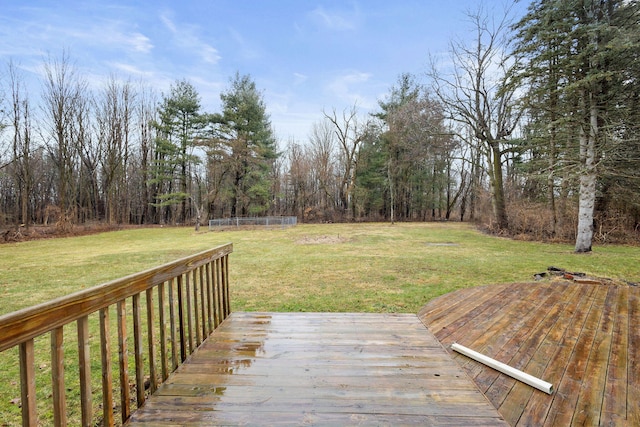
(336, 267)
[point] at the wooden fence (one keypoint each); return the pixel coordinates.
(191, 300)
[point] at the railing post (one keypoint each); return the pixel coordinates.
(137, 345)
(123, 358)
(28, 384)
(107, 380)
(225, 281)
(84, 362)
(151, 341)
(57, 378)
(210, 312)
(203, 306)
(196, 310)
(163, 332)
(174, 332)
(183, 343)
(218, 291)
(187, 294)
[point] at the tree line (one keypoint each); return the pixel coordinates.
(530, 128)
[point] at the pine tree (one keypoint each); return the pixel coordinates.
(244, 135)
(179, 126)
(579, 54)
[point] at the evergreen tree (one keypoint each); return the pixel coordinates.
(581, 56)
(244, 136)
(415, 150)
(179, 126)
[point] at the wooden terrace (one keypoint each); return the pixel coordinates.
(581, 337)
(319, 369)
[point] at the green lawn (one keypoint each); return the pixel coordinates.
(334, 267)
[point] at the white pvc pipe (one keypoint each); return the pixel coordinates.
(505, 369)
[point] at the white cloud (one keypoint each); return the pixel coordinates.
(299, 78)
(168, 23)
(245, 48)
(140, 43)
(186, 37)
(332, 20)
(111, 36)
(129, 69)
(345, 87)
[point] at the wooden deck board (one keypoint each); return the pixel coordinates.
(583, 338)
(319, 368)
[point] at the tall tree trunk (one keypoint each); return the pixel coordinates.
(496, 179)
(588, 177)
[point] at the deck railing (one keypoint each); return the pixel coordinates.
(191, 300)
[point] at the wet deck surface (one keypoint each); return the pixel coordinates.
(302, 368)
(583, 338)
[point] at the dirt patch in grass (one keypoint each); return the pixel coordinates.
(321, 240)
(442, 244)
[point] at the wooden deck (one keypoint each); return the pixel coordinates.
(301, 368)
(583, 338)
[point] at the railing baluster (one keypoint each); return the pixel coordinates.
(84, 362)
(223, 300)
(225, 284)
(174, 332)
(218, 276)
(196, 310)
(137, 345)
(153, 378)
(123, 358)
(107, 380)
(187, 294)
(214, 292)
(57, 378)
(203, 304)
(28, 384)
(209, 298)
(183, 343)
(163, 332)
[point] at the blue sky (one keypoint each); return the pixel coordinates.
(305, 56)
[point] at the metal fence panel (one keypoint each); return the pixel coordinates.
(266, 221)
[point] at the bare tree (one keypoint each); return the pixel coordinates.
(350, 133)
(475, 94)
(61, 98)
(114, 116)
(22, 143)
(322, 150)
(298, 179)
(144, 115)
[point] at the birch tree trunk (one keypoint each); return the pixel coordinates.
(588, 177)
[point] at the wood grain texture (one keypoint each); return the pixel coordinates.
(123, 361)
(107, 375)
(28, 384)
(84, 364)
(58, 394)
(581, 337)
(318, 368)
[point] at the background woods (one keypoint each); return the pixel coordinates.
(530, 128)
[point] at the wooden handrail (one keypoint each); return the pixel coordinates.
(198, 285)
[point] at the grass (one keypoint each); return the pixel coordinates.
(335, 267)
